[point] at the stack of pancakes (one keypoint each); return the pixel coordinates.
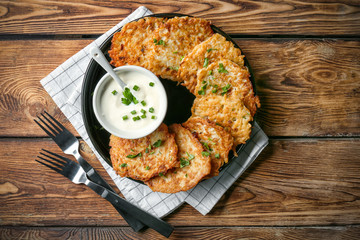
(185, 50)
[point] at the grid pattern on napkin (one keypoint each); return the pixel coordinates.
(64, 86)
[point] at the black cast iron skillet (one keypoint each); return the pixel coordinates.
(180, 99)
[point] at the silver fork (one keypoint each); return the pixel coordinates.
(69, 144)
(76, 174)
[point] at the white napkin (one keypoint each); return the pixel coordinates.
(64, 86)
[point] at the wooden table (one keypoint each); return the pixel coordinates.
(306, 61)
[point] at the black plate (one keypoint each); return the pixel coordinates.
(179, 98)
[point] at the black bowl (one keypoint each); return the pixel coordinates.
(180, 99)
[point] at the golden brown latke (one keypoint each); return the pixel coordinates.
(212, 49)
(146, 157)
(215, 140)
(227, 111)
(133, 44)
(173, 40)
(194, 166)
(226, 77)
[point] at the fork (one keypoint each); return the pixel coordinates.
(76, 174)
(69, 144)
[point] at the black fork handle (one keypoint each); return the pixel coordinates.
(153, 222)
(135, 224)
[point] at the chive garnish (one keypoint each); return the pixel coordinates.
(153, 117)
(157, 143)
(151, 84)
(184, 162)
(133, 112)
(222, 68)
(147, 168)
(205, 154)
(151, 110)
(136, 88)
(125, 117)
(136, 118)
(143, 103)
(114, 92)
(206, 62)
(123, 165)
(143, 116)
(134, 155)
(225, 89)
(142, 111)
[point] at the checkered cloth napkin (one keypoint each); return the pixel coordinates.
(64, 86)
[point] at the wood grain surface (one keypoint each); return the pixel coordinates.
(235, 17)
(88, 233)
(305, 57)
(304, 88)
(320, 186)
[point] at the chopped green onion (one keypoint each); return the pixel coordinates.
(134, 155)
(157, 143)
(151, 84)
(147, 168)
(210, 72)
(151, 110)
(206, 62)
(143, 103)
(222, 68)
(153, 117)
(225, 89)
(161, 174)
(125, 117)
(210, 49)
(143, 116)
(186, 175)
(160, 42)
(191, 157)
(114, 92)
(184, 162)
(217, 155)
(136, 88)
(123, 165)
(205, 154)
(128, 97)
(133, 112)
(142, 111)
(136, 118)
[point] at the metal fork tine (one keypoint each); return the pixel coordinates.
(47, 165)
(45, 130)
(61, 165)
(54, 128)
(56, 121)
(56, 155)
(54, 133)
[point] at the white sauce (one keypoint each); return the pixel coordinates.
(113, 110)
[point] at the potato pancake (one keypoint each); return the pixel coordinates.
(227, 111)
(194, 164)
(173, 40)
(215, 140)
(204, 54)
(226, 77)
(144, 158)
(133, 44)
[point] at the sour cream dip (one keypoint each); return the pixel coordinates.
(137, 110)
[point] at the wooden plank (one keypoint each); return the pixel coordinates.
(346, 232)
(292, 183)
(244, 17)
(306, 87)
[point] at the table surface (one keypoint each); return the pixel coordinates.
(305, 57)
